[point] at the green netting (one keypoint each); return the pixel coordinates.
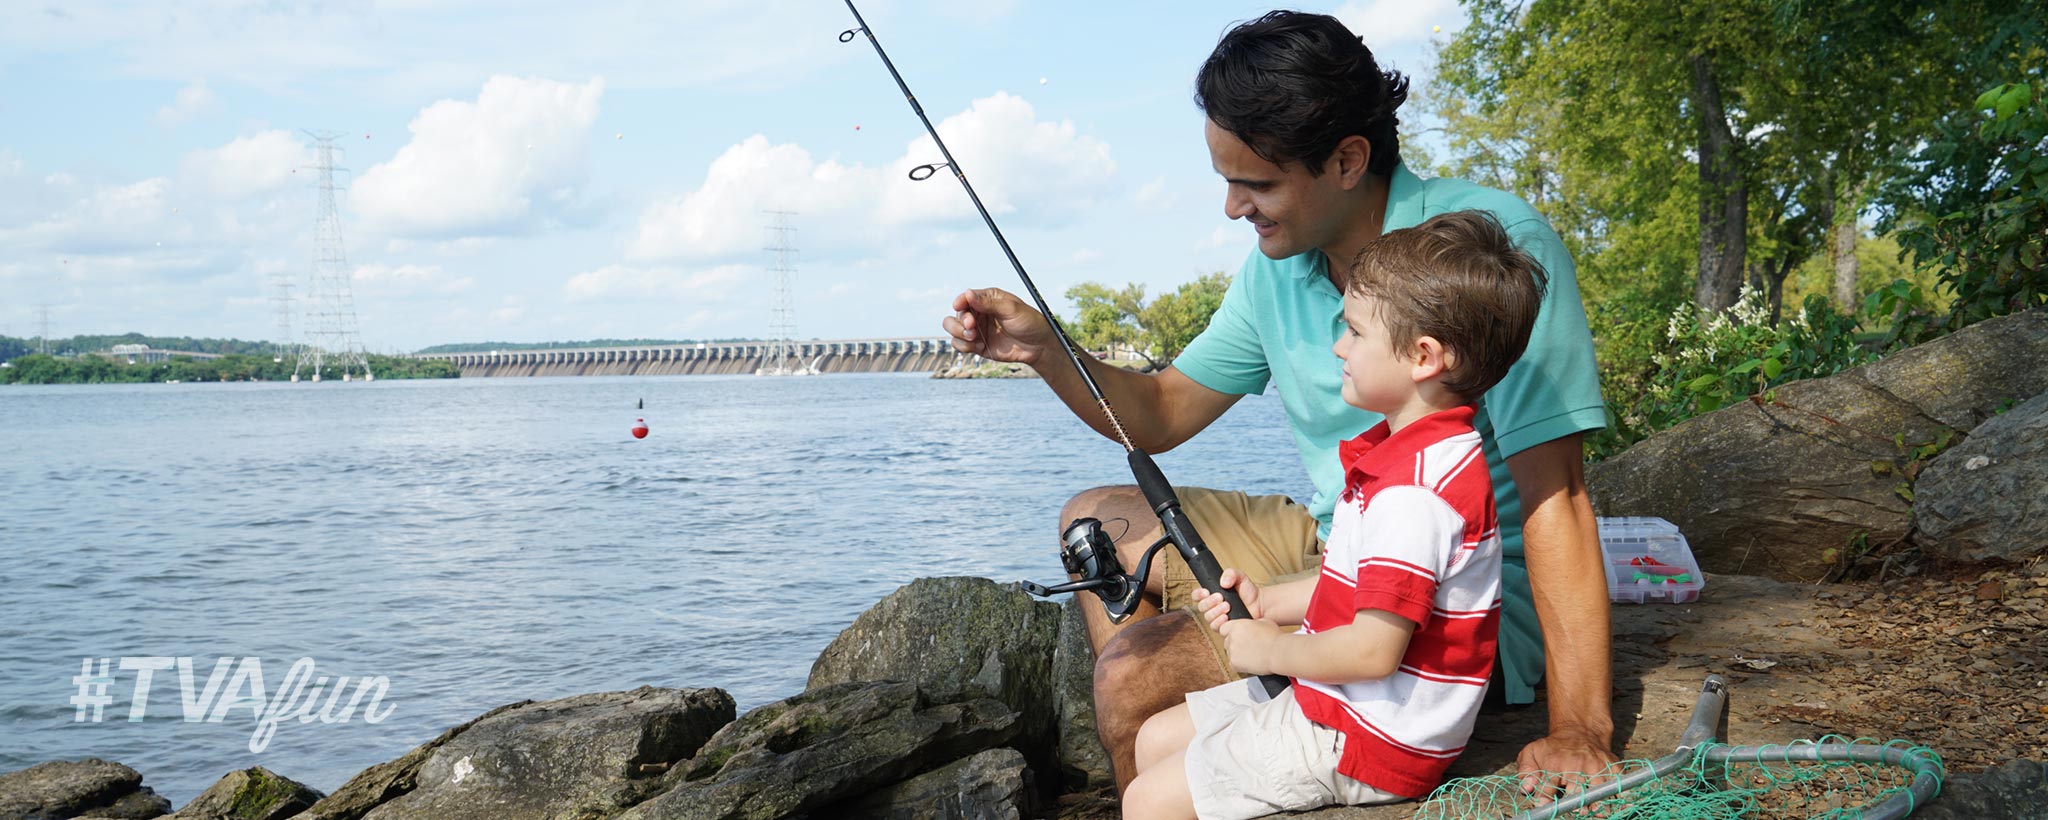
(1834, 778)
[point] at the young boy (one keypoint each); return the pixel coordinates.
(1398, 629)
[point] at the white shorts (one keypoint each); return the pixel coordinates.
(1252, 756)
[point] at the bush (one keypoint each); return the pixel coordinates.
(1713, 362)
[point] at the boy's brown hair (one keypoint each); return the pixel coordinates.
(1459, 279)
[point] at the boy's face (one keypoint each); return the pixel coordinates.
(1376, 377)
(1293, 211)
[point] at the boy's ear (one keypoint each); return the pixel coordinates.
(1431, 359)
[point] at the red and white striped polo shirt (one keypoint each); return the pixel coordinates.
(1414, 534)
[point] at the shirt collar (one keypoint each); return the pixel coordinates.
(1378, 452)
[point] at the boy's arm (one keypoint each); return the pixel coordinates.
(1368, 648)
(1287, 604)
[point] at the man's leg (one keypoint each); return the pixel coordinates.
(1148, 667)
(1149, 662)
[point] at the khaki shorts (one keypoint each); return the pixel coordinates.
(1268, 537)
(1252, 756)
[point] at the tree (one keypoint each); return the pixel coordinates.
(1158, 331)
(1776, 118)
(1175, 319)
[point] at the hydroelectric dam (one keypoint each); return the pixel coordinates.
(710, 358)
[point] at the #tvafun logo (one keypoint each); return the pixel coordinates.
(234, 685)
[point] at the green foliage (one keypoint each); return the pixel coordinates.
(40, 369)
(1976, 211)
(1158, 331)
(1728, 357)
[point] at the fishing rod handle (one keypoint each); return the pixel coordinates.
(1181, 531)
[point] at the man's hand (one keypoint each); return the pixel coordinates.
(996, 325)
(1250, 644)
(1562, 763)
(1217, 611)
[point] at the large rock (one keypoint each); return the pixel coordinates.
(2015, 791)
(587, 756)
(823, 747)
(64, 789)
(250, 794)
(1987, 499)
(1778, 486)
(1083, 764)
(954, 637)
(993, 785)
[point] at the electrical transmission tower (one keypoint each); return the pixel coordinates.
(782, 358)
(330, 304)
(281, 296)
(43, 334)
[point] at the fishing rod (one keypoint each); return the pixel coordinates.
(1085, 550)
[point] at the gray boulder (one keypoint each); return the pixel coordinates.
(823, 747)
(250, 794)
(1083, 764)
(70, 788)
(2015, 791)
(955, 637)
(587, 756)
(1778, 486)
(992, 785)
(1987, 498)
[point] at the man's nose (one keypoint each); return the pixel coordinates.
(1236, 205)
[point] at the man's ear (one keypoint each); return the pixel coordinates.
(1430, 359)
(1349, 161)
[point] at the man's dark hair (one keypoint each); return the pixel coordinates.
(1292, 85)
(1460, 279)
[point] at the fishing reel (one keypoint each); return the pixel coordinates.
(1087, 552)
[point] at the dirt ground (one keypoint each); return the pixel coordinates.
(1958, 663)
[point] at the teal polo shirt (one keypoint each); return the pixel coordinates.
(1280, 317)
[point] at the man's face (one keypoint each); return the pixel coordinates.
(1291, 209)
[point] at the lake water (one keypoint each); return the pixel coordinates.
(483, 541)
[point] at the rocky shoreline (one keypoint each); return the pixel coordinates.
(963, 698)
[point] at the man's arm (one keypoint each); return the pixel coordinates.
(1158, 411)
(1561, 543)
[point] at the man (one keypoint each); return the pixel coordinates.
(1301, 125)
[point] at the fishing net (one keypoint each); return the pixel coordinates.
(1834, 778)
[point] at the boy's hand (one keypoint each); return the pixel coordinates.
(1250, 644)
(1216, 611)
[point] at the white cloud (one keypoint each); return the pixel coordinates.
(191, 101)
(407, 49)
(402, 280)
(1386, 24)
(659, 284)
(1016, 162)
(257, 164)
(1221, 237)
(513, 157)
(1153, 196)
(923, 296)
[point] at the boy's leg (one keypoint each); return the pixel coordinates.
(1161, 792)
(1163, 735)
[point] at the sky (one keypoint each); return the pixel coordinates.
(529, 170)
